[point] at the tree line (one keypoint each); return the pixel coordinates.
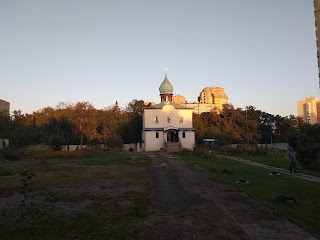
(78, 124)
(81, 123)
(249, 126)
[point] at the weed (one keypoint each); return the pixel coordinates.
(11, 154)
(226, 171)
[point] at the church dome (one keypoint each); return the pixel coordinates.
(166, 86)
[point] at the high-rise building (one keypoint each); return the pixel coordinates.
(178, 99)
(308, 110)
(316, 4)
(211, 99)
(214, 96)
(4, 107)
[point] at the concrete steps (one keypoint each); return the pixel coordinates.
(173, 147)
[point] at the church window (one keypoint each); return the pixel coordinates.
(181, 120)
(156, 120)
(169, 119)
(157, 135)
(183, 134)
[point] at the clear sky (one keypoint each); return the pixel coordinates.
(263, 53)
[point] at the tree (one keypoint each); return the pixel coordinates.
(199, 127)
(4, 126)
(59, 131)
(84, 118)
(266, 127)
(115, 142)
(136, 106)
(109, 122)
(131, 131)
(306, 142)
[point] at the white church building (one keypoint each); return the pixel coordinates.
(167, 126)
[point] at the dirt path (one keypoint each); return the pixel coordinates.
(187, 205)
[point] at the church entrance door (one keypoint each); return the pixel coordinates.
(172, 136)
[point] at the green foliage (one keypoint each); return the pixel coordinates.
(115, 142)
(214, 133)
(136, 106)
(250, 150)
(52, 213)
(4, 172)
(95, 143)
(264, 188)
(57, 142)
(62, 154)
(11, 154)
(81, 123)
(306, 143)
(131, 131)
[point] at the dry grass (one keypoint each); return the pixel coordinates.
(99, 197)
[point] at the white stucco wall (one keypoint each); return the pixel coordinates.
(189, 141)
(180, 119)
(163, 114)
(152, 143)
(4, 143)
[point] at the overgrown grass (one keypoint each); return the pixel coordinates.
(103, 196)
(263, 187)
(59, 154)
(280, 162)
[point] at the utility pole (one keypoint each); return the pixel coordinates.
(247, 125)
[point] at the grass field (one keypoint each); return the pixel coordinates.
(280, 162)
(104, 196)
(107, 195)
(263, 187)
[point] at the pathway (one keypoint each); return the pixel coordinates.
(280, 170)
(187, 205)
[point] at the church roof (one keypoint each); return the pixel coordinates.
(166, 86)
(160, 106)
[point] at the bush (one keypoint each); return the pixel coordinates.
(115, 142)
(251, 150)
(95, 143)
(31, 150)
(309, 156)
(306, 143)
(57, 142)
(11, 154)
(199, 150)
(63, 154)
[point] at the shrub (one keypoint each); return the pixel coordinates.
(30, 150)
(251, 150)
(57, 142)
(64, 154)
(95, 143)
(306, 143)
(115, 142)
(11, 154)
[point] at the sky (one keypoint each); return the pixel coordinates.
(263, 53)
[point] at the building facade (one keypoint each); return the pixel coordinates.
(316, 4)
(211, 99)
(4, 107)
(167, 126)
(214, 96)
(179, 99)
(308, 110)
